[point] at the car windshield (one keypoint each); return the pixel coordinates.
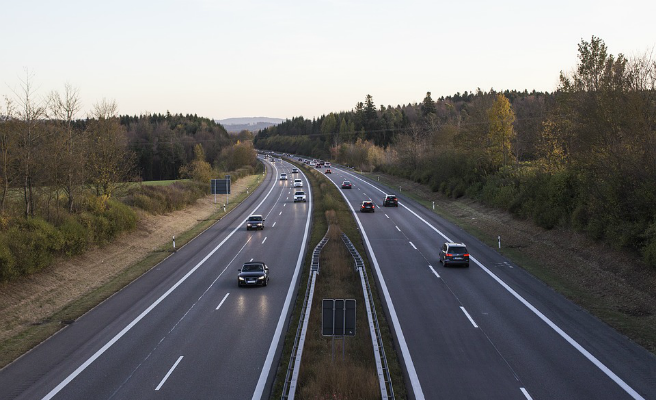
(299, 193)
(252, 268)
(255, 218)
(346, 183)
(458, 250)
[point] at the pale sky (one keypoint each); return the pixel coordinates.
(284, 58)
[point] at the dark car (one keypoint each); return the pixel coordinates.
(454, 254)
(390, 201)
(254, 273)
(367, 206)
(328, 171)
(346, 185)
(255, 222)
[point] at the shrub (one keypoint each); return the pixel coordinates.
(33, 243)
(74, 235)
(7, 261)
(120, 218)
(648, 253)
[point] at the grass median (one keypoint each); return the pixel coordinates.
(321, 377)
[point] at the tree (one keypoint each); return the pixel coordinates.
(64, 109)
(428, 106)
(31, 133)
(199, 169)
(7, 149)
(109, 162)
(501, 132)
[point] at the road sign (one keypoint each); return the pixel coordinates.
(220, 186)
(338, 317)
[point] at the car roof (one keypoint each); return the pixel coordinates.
(455, 244)
(254, 263)
(367, 201)
(255, 215)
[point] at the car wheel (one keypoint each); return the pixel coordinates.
(266, 282)
(444, 263)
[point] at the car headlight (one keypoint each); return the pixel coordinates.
(261, 278)
(241, 278)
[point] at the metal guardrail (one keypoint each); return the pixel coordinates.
(384, 378)
(291, 378)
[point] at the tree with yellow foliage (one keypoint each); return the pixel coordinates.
(501, 133)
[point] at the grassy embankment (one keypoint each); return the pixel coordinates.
(34, 334)
(354, 376)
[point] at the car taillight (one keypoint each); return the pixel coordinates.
(448, 255)
(466, 255)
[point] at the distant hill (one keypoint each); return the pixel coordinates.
(253, 124)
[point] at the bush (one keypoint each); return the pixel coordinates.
(33, 243)
(120, 218)
(75, 236)
(7, 261)
(648, 253)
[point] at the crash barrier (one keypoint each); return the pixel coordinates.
(291, 378)
(384, 378)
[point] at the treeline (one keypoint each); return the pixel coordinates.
(162, 144)
(70, 182)
(583, 157)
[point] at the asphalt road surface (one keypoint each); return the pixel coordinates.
(184, 330)
(490, 331)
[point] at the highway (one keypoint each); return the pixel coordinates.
(184, 330)
(490, 331)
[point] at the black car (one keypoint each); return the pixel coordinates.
(254, 273)
(346, 185)
(367, 206)
(454, 254)
(390, 201)
(255, 222)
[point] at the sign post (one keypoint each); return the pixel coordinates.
(338, 320)
(220, 186)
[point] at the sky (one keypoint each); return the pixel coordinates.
(283, 58)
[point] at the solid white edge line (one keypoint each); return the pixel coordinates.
(628, 389)
(224, 299)
(125, 330)
(266, 368)
(410, 367)
(468, 317)
(169, 373)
